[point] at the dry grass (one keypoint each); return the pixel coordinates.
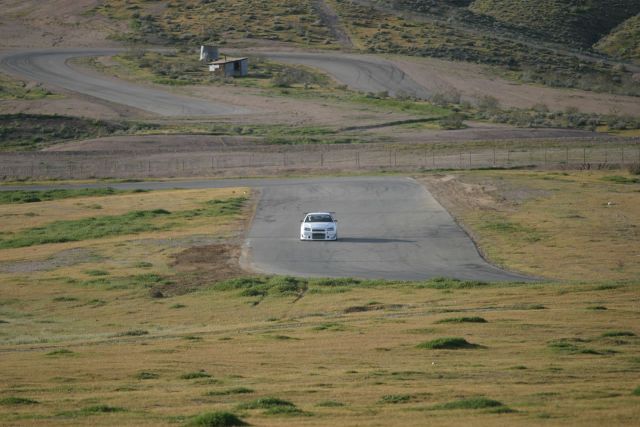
(99, 349)
(375, 356)
(580, 226)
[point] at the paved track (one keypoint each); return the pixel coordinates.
(389, 228)
(359, 72)
(50, 67)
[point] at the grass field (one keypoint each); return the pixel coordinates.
(156, 328)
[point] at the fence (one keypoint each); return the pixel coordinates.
(268, 161)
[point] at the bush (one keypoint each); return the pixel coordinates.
(472, 403)
(217, 419)
(474, 319)
(634, 168)
(447, 344)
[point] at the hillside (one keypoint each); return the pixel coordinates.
(624, 41)
(578, 22)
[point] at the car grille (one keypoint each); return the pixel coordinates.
(316, 235)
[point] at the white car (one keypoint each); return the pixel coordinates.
(319, 226)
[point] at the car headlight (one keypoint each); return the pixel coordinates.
(307, 229)
(330, 229)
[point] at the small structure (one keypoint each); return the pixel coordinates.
(230, 67)
(209, 53)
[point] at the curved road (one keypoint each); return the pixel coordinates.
(390, 228)
(50, 66)
(359, 72)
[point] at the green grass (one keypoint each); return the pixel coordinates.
(132, 333)
(230, 391)
(216, 419)
(447, 344)
(636, 391)
(12, 400)
(194, 375)
(61, 352)
(145, 375)
(13, 89)
(22, 196)
(116, 225)
(474, 319)
(396, 398)
(101, 409)
(266, 403)
(471, 403)
(26, 132)
(621, 179)
(613, 334)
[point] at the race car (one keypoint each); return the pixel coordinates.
(319, 226)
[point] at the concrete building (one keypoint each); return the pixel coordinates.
(230, 67)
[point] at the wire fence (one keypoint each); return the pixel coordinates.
(246, 162)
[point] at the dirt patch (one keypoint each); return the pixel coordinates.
(474, 81)
(458, 194)
(201, 266)
(61, 259)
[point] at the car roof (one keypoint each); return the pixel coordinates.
(319, 213)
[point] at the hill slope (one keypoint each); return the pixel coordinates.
(579, 22)
(624, 41)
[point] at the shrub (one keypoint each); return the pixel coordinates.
(237, 390)
(634, 168)
(266, 403)
(396, 398)
(475, 319)
(17, 401)
(60, 352)
(612, 334)
(636, 391)
(472, 403)
(217, 419)
(194, 375)
(144, 375)
(447, 344)
(132, 333)
(102, 409)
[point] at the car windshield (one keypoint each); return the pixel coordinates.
(319, 218)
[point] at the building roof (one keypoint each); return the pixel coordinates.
(227, 60)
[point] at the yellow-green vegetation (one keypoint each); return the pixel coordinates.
(578, 226)
(87, 337)
(580, 22)
(469, 38)
(624, 41)
(196, 21)
(11, 89)
(26, 132)
(219, 355)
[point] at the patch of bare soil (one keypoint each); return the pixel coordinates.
(330, 18)
(463, 193)
(61, 259)
(473, 81)
(37, 23)
(200, 266)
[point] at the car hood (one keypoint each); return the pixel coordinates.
(319, 225)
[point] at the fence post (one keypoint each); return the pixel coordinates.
(395, 158)
(622, 155)
(469, 159)
(584, 156)
(321, 159)
(494, 155)
(545, 156)
(566, 156)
